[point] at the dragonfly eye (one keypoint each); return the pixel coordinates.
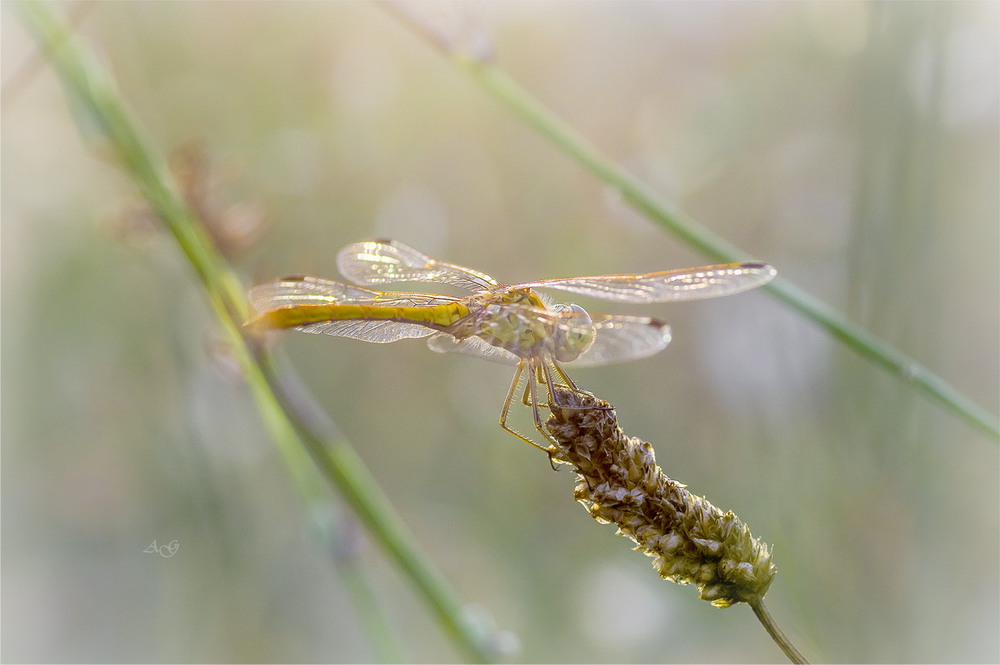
(577, 336)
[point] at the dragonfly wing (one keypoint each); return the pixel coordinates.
(389, 261)
(622, 338)
(669, 286)
(292, 291)
(312, 303)
(378, 331)
(470, 346)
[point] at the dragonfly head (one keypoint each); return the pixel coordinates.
(576, 337)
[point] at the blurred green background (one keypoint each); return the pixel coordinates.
(852, 145)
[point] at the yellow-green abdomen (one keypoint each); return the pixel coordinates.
(438, 316)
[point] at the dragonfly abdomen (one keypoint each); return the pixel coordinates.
(437, 317)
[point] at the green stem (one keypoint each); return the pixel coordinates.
(776, 634)
(91, 89)
(639, 195)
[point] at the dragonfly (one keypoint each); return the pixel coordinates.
(504, 322)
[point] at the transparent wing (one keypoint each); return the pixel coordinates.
(669, 286)
(292, 291)
(389, 261)
(376, 331)
(622, 338)
(290, 294)
(471, 346)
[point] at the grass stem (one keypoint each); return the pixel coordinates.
(93, 93)
(548, 124)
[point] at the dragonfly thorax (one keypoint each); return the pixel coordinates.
(564, 333)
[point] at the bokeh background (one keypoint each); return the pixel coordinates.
(853, 145)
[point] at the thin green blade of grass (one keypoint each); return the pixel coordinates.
(697, 236)
(534, 113)
(91, 91)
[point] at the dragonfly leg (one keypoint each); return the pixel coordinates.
(569, 384)
(551, 383)
(528, 389)
(546, 379)
(510, 396)
(526, 395)
(534, 379)
(533, 386)
(542, 378)
(565, 377)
